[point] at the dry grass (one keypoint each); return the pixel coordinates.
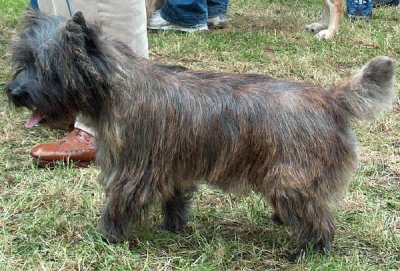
(48, 217)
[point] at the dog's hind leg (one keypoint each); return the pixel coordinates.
(175, 209)
(309, 214)
(328, 26)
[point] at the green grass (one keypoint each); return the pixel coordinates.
(48, 217)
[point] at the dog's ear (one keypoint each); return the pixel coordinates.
(30, 13)
(80, 42)
(77, 25)
(79, 19)
(30, 16)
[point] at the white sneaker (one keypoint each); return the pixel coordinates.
(218, 21)
(156, 22)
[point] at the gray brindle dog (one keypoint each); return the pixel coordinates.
(162, 129)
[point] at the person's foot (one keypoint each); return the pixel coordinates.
(78, 147)
(156, 22)
(218, 22)
(382, 3)
(357, 9)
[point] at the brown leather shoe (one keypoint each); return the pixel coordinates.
(78, 147)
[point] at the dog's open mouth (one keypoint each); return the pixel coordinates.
(36, 118)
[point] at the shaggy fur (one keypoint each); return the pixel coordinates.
(162, 129)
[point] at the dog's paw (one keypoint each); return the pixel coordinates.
(324, 34)
(110, 239)
(277, 219)
(300, 255)
(175, 226)
(111, 236)
(315, 27)
(297, 256)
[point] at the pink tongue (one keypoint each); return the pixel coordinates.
(34, 119)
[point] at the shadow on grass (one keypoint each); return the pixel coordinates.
(237, 237)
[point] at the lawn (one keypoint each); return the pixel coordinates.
(48, 216)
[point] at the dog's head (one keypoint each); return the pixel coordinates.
(59, 67)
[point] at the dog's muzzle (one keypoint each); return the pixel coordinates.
(19, 95)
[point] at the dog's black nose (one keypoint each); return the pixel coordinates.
(16, 91)
(18, 94)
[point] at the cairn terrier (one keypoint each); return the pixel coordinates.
(161, 130)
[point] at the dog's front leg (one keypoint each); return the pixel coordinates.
(124, 207)
(328, 26)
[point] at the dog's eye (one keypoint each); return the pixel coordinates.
(26, 72)
(18, 70)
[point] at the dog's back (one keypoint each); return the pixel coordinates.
(250, 128)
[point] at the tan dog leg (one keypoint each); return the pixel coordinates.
(328, 26)
(153, 5)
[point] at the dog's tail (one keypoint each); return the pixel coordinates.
(369, 92)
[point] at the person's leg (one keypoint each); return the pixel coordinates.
(217, 8)
(185, 12)
(34, 4)
(217, 13)
(125, 20)
(122, 19)
(183, 15)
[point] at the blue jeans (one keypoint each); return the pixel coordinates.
(34, 5)
(192, 12)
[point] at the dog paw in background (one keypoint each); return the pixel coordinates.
(328, 26)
